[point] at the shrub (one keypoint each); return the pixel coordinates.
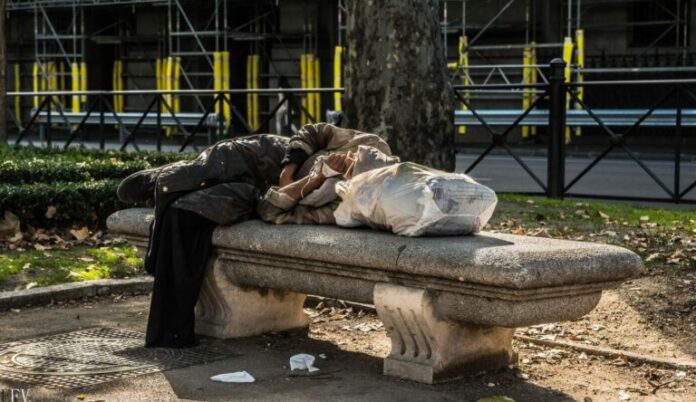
(27, 171)
(88, 203)
(80, 183)
(82, 154)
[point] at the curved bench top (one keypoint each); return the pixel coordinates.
(489, 259)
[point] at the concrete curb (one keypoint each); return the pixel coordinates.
(69, 291)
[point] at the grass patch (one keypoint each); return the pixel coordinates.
(82, 263)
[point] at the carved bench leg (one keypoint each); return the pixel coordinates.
(428, 349)
(225, 310)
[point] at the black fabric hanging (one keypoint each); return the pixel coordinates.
(178, 258)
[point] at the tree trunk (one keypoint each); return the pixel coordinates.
(3, 75)
(396, 79)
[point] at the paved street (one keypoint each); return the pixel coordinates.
(615, 177)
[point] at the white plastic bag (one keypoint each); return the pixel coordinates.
(413, 200)
(236, 377)
(302, 361)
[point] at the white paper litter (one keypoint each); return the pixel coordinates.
(236, 377)
(303, 361)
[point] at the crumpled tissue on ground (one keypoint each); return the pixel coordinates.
(303, 361)
(414, 200)
(236, 377)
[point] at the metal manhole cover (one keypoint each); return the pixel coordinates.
(93, 356)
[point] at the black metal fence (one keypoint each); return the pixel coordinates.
(549, 110)
(557, 118)
(158, 113)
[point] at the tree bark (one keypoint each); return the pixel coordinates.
(3, 75)
(396, 79)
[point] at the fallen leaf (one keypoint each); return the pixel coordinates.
(80, 234)
(652, 257)
(31, 285)
(518, 231)
(644, 218)
(50, 212)
(18, 236)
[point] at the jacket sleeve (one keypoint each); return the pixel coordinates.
(316, 137)
(279, 208)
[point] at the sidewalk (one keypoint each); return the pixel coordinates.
(354, 345)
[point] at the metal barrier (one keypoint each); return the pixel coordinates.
(558, 119)
(158, 113)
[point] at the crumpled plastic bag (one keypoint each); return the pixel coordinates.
(236, 377)
(303, 361)
(413, 200)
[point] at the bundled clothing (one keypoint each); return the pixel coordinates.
(223, 185)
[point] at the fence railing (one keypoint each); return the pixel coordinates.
(158, 113)
(558, 119)
(555, 116)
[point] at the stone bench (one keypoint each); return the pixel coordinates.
(449, 304)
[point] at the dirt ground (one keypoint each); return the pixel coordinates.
(354, 343)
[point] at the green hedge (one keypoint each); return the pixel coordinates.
(81, 183)
(81, 154)
(88, 203)
(23, 171)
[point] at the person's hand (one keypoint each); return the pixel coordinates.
(287, 175)
(339, 162)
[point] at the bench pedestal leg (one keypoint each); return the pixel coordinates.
(225, 310)
(428, 349)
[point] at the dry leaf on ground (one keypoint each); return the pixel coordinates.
(80, 234)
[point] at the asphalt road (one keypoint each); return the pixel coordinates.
(610, 177)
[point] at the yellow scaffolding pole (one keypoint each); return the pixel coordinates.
(75, 83)
(303, 85)
(158, 67)
(217, 77)
(17, 88)
(176, 83)
(338, 79)
(83, 82)
(568, 59)
(311, 83)
(118, 85)
(36, 79)
(317, 84)
(256, 61)
(463, 65)
(227, 107)
(168, 86)
(580, 43)
(249, 85)
(526, 80)
(535, 77)
(169, 81)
